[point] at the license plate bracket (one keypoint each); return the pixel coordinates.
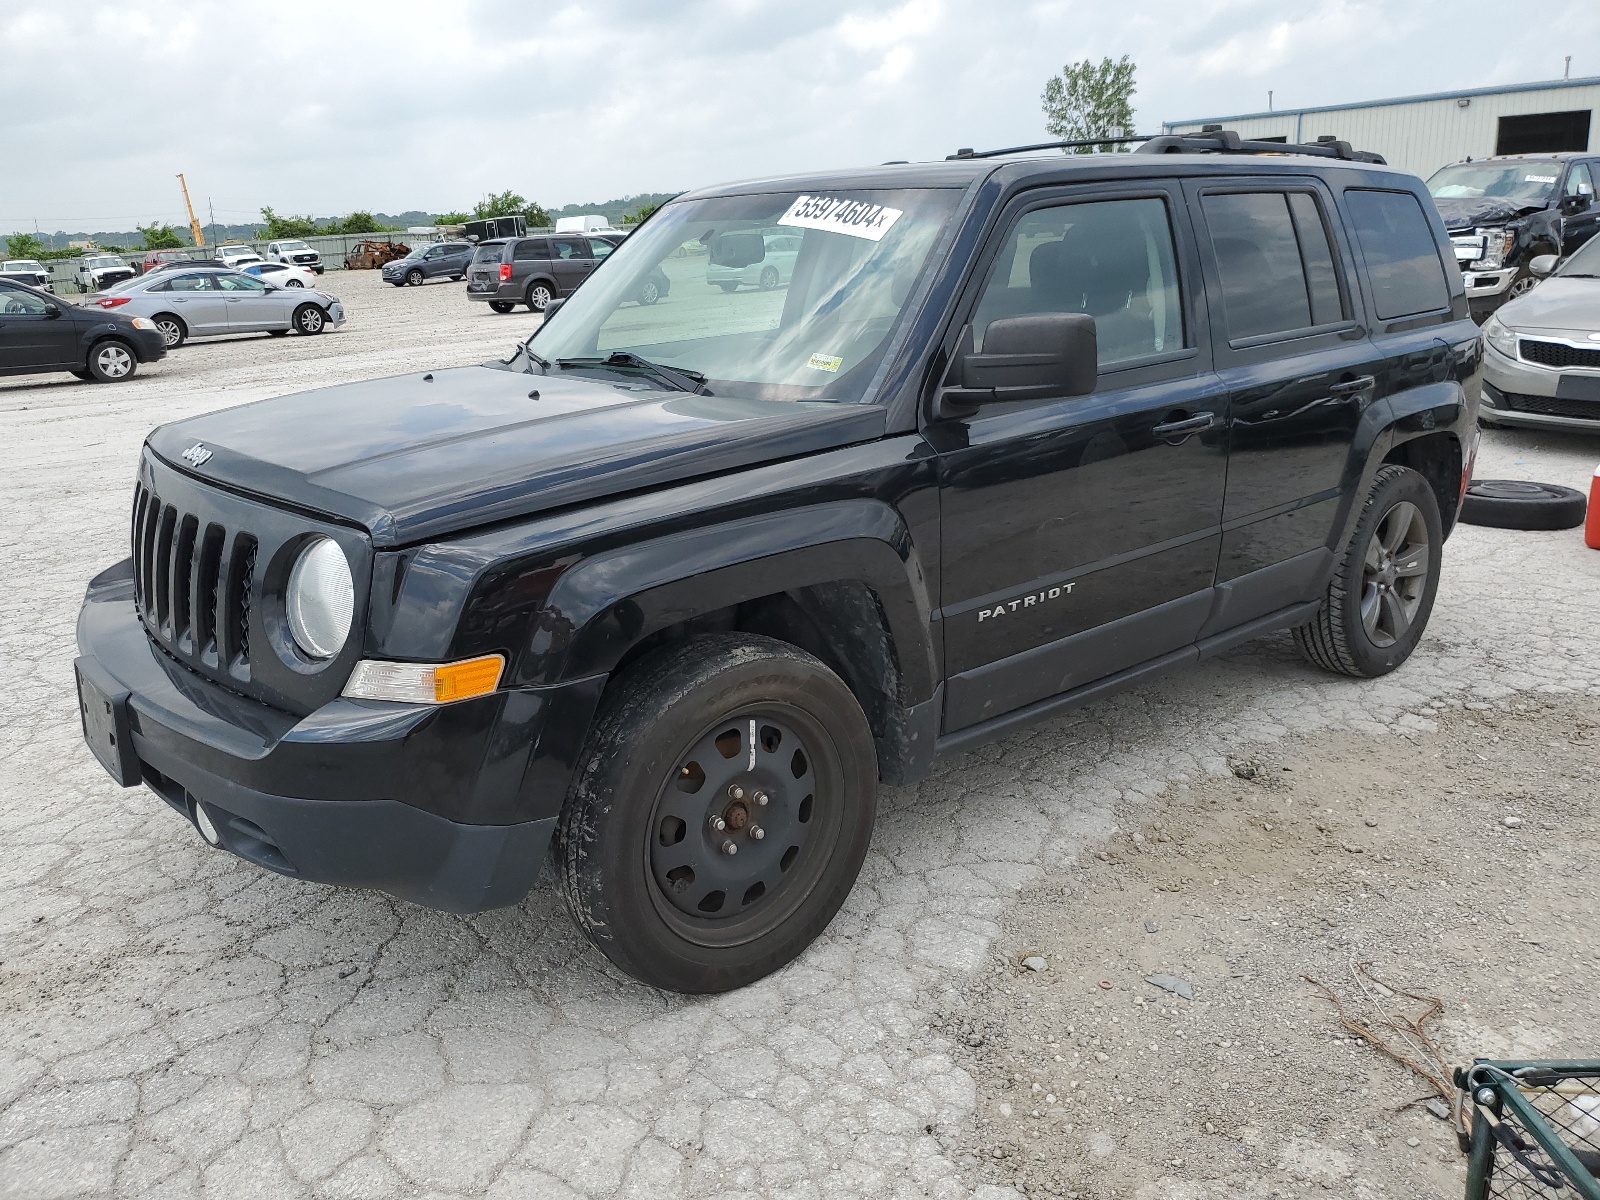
(1578, 387)
(107, 726)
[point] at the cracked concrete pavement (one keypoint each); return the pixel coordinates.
(175, 1022)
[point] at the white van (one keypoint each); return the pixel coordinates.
(592, 223)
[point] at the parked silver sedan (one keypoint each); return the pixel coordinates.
(210, 303)
(1542, 366)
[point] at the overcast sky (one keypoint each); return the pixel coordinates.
(326, 107)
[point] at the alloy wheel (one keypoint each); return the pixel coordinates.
(1522, 286)
(170, 332)
(1394, 574)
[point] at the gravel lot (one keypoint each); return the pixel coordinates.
(174, 1022)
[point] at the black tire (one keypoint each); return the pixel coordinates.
(1517, 504)
(293, 283)
(729, 287)
(172, 329)
(277, 333)
(309, 320)
(712, 923)
(769, 278)
(399, 283)
(112, 361)
(84, 375)
(649, 293)
(538, 297)
(1381, 594)
(501, 306)
(414, 277)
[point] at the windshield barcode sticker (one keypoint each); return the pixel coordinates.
(825, 362)
(831, 214)
(1538, 179)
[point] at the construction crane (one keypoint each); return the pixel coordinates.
(194, 225)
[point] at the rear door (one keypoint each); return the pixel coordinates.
(196, 299)
(570, 261)
(1079, 535)
(30, 336)
(1290, 345)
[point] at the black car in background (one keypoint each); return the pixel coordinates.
(536, 270)
(40, 333)
(1503, 212)
(427, 262)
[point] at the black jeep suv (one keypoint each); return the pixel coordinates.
(674, 587)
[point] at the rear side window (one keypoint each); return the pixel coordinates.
(1275, 262)
(1402, 260)
(530, 249)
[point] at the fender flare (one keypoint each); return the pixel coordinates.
(1437, 407)
(610, 602)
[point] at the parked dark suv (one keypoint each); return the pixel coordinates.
(677, 586)
(536, 270)
(1504, 212)
(447, 259)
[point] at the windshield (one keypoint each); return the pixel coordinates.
(293, 246)
(1584, 261)
(107, 261)
(419, 251)
(1523, 182)
(782, 296)
(22, 264)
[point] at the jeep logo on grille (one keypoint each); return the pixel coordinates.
(197, 454)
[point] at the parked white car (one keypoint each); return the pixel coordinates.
(96, 272)
(237, 256)
(281, 274)
(296, 253)
(772, 269)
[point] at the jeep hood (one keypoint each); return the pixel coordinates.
(419, 456)
(1470, 212)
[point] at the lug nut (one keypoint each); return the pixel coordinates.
(718, 823)
(760, 798)
(736, 791)
(757, 832)
(729, 848)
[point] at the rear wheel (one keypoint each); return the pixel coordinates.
(112, 362)
(729, 287)
(649, 293)
(414, 277)
(539, 297)
(1382, 592)
(769, 278)
(501, 306)
(172, 329)
(293, 283)
(309, 319)
(720, 812)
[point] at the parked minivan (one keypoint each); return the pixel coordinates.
(537, 270)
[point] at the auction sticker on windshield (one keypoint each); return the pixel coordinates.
(1538, 179)
(833, 214)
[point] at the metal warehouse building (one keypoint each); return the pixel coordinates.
(1423, 133)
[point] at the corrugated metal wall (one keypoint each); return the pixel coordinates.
(1419, 136)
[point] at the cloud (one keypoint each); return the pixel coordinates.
(310, 107)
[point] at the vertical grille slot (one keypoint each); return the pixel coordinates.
(234, 602)
(207, 577)
(183, 581)
(135, 541)
(163, 569)
(147, 550)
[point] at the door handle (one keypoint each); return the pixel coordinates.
(1185, 426)
(1351, 386)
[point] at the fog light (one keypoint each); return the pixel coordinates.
(207, 827)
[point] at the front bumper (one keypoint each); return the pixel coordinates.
(336, 314)
(449, 806)
(1529, 396)
(149, 345)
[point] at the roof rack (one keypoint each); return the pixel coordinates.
(1212, 139)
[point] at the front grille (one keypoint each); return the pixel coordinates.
(1551, 406)
(1558, 354)
(192, 583)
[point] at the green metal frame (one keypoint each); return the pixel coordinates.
(1499, 1078)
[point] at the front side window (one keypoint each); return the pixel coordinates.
(599, 247)
(569, 247)
(1579, 181)
(1112, 259)
(1402, 260)
(1274, 262)
(240, 283)
(18, 303)
(818, 334)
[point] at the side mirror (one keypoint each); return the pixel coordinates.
(1036, 357)
(52, 311)
(1542, 265)
(740, 248)
(550, 309)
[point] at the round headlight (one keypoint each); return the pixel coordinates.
(321, 599)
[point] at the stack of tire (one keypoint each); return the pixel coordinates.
(1520, 504)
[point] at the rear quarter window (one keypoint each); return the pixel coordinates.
(1402, 258)
(530, 249)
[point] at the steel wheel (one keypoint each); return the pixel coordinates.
(732, 826)
(111, 362)
(1394, 574)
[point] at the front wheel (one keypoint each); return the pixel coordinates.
(769, 278)
(720, 813)
(539, 297)
(111, 362)
(1382, 592)
(414, 277)
(293, 283)
(309, 319)
(649, 293)
(501, 306)
(729, 287)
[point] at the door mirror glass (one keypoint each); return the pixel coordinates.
(1034, 357)
(1542, 265)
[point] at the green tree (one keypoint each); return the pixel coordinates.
(277, 227)
(452, 218)
(24, 245)
(509, 204)
(1091, 100)
(160, 236)
(360, 222)
(643, 212)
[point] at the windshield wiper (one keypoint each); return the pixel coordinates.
(681, 378)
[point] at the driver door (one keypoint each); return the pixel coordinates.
(30, 335)
(252, 308)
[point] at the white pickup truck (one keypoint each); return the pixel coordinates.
(96, 272)
(237, 256)
(296, 253)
